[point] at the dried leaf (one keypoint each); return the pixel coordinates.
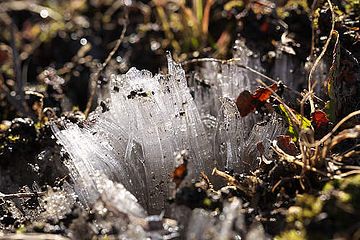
(319, 119)
(179, 173)
(247, 102)
(287, 145)
(244, 103)
(262, 94)
(233, 4)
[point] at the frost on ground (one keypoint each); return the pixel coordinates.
(133, 136)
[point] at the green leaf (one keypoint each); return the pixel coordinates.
(304, 123)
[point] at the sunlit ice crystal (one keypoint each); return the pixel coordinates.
(229, 224)
(149, 119)
(240, 142)
(116, 197)
(214, 81)
(133, 137)
(215, 87)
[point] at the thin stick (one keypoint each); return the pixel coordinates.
(95, 76)
(311, 85)
(278, 98)
(21, 195)
(31, 236)
(292, 159)
(348, 173)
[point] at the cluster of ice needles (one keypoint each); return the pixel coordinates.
(125, 151)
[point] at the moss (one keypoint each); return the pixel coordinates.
(332, 213)
(21, 229)
(13, 138)
(291, 235)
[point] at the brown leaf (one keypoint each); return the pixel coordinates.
(247, 102)
(319, 119)
(244, 103)
(262, 94)
(179, 174)
(287, 145)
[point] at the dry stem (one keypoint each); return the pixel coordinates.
(95, 76)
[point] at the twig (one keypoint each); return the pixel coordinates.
(230, 179)
(311, 85)
(345, 174)
(112, 9)
(282, 180)
(94, 78)
(206, 18)
(32, 236)
(292, 159)
(337, 126)
(21, 195)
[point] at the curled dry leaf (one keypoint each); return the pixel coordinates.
(319, 119)
(244, 103)
(262, 94)
(247, 102)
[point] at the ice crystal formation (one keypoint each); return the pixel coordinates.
(133, 136)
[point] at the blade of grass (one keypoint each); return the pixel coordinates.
(198, 7)
(206, 18)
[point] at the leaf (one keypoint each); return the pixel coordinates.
(319, 119)
(330, 110)
(304, 123)
(287, 145)
(179, 173)
(244, 103)
(262, 94)
(247, 102)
